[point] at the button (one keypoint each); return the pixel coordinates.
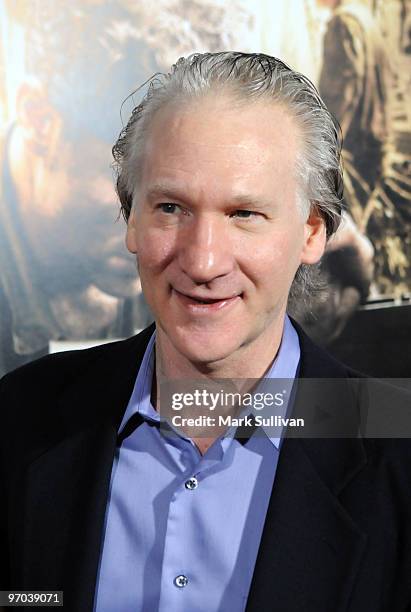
(181, 581)
(191, 483)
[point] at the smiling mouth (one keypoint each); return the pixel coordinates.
(207, 301)
(205, 305)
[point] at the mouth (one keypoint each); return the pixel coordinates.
(204, 305)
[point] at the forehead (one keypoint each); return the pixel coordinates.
(217, 142)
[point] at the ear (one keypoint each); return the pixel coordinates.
(315, 237)
(131, 235)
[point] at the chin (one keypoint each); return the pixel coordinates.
(204, 347)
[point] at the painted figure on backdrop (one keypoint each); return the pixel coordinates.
(347, 267)
(352, 84)
(362, 82)
(388, 214)
(65, 273)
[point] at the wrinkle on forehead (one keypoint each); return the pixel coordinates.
(208, 146)
(215, 117)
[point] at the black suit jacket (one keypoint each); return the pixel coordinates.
(337, 532)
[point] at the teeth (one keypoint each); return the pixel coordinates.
(211, 301)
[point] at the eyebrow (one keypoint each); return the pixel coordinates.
(252, 201)
(164, 189)
(174, 192)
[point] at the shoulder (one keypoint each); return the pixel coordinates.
(70, 384)
(67, 364)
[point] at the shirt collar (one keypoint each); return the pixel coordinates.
(284, 367)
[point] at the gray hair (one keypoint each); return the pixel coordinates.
(247, 76)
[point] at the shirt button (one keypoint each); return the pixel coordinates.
(181, 581)
(191, 483)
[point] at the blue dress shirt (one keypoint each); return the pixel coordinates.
(182, 529)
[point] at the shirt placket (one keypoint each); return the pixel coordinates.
(181, 576)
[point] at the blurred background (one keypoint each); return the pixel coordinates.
(66, 279)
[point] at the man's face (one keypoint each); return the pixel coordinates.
(70, 220)
(216, 221)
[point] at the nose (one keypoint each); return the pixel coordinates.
(204, 250)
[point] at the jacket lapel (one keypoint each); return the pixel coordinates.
(310, 549)
(68, 484)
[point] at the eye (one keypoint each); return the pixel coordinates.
(168, 207)
(244, 214)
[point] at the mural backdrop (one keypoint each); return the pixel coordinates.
(66, 279)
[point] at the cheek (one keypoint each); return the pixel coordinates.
(155, 250)
(271, 261)
(271, 269)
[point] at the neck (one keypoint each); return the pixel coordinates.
(250, 361)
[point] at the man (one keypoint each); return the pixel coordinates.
(57, 282)
(352, 84)
(368, 94)
(229, 177)
(388, 210)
